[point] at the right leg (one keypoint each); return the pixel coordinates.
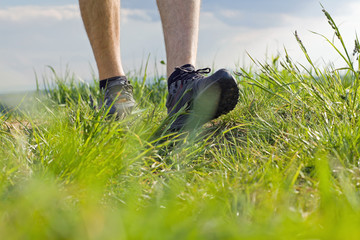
(102, 23)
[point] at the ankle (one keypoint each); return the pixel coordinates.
(113, 81)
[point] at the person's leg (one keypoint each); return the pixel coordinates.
(102, 23)
(180, 22)
(205, 98)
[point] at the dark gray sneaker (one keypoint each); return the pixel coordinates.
(118, 96)
(195, 99)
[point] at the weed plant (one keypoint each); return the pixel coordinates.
(283, 165)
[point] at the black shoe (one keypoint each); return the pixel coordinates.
(202, 98)
(118, 96)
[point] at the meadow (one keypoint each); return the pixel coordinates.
(284, 164)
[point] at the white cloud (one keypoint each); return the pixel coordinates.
(139, 14)
(227, 43)
(64, 12)
(230, 13)
(28, 13)
(35, 36)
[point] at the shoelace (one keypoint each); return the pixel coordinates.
(195, 74)
(125, 88)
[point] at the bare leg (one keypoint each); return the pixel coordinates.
(210, 96)
(102, 23)
(180, 21)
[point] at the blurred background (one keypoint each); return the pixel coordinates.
(38, 33)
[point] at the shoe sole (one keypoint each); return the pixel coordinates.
(229, 95)
(218, 98)
(122, 109)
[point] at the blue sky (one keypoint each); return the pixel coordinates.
(38, 33)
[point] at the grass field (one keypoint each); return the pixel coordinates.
(285, 164)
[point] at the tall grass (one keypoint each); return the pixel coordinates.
(283, 165)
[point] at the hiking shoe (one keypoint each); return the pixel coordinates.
(118, 96)
(199, 98)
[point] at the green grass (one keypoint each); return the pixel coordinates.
(283, 165)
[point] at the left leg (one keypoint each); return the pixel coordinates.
(180, 22)
(205, 98)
